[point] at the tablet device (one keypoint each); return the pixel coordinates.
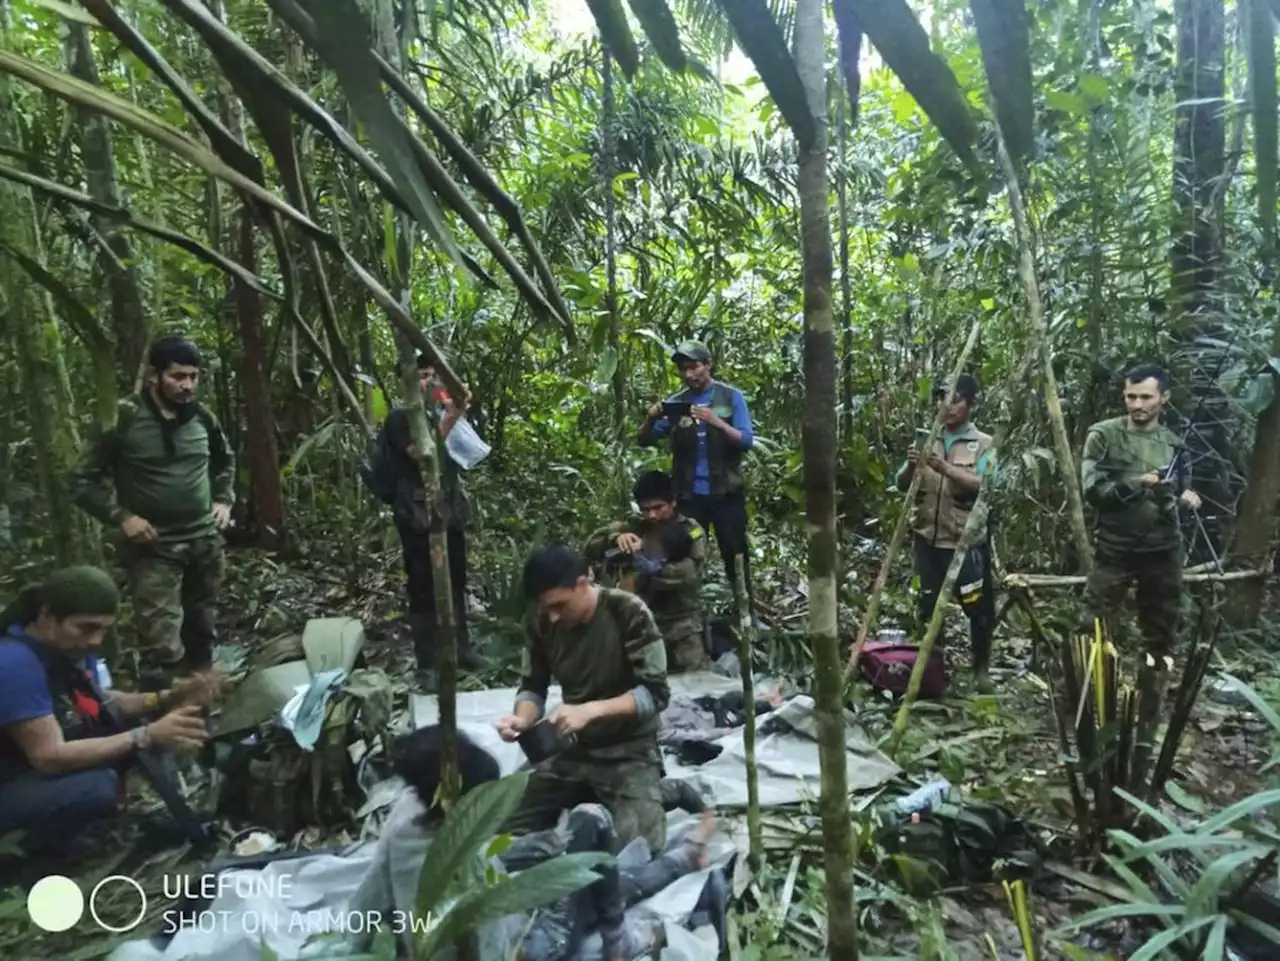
(674, 410)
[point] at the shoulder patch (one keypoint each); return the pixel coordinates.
(695, 531)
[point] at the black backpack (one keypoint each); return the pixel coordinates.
(378, 469)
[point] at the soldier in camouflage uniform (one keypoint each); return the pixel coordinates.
(604, 649)
(1135, 474)
(164, 476)
(668, 551)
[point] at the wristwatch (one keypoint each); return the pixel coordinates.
(141, 737)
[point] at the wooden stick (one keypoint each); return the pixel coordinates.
(1194, 575)
(904, 519)
(746, 652)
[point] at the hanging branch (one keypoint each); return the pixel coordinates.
(904, 518)
(1040, 338)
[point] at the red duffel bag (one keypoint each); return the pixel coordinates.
(888, 666)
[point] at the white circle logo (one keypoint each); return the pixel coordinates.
(142, 905)
(55, 903)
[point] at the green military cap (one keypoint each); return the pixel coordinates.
(693, 350)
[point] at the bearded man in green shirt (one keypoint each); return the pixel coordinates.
(164, 476)
(1135, 473)
(604, 649)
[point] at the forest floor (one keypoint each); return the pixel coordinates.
(999, 749)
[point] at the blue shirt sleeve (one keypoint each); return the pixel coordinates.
(661, 427)
(24, 689)
(741, 419)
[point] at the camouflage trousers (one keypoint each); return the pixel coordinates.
(175, 593)
(1158, 579)
(685, 640)
(628, 786)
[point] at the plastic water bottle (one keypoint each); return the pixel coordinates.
(927, 797)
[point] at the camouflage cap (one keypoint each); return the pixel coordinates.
(693, 350)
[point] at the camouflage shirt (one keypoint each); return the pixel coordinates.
(618, 651)
(1132, 517)
(674, 592)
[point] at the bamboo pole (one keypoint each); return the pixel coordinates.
(1040, 338)
(904, 518)
(976, 523)
(746, 648)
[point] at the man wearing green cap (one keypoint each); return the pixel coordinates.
(164, 477)
(62, 746)
(708, 439)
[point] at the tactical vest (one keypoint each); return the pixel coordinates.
(724, 460)
(942, 508)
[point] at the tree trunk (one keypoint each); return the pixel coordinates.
(1196, 259)
(609, 163)
(261, 454)
(819, 439)
(846, 297)
(129, 318)
(35, 335)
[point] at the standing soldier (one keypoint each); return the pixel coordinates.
(164, 475)
(667, 551)
(1135, 475)
(950, 478)
(708, 439)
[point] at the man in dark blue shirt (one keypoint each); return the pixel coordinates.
(62, 743)
(709, 428)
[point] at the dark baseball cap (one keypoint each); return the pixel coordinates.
(693, 350)
(966, 387)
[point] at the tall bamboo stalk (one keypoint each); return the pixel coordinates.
(904, 518)
(1040, 338)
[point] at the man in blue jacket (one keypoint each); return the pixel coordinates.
(707, 445)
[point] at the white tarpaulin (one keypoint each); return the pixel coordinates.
(786, 744)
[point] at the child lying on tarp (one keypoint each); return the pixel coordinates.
(591, 925)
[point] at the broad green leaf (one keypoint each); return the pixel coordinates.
(608, 364)
(1154, 947)
(764, 42)
(1004, 36)
(67, 10)
(1215, 945)
(894, 30)
(904, 105)
(540, 885)
(1262, 86)
(1113, 911)
(1094, 87)
(474, 820)
(1252, 696)
(1180, 797)
(1066, 101)
(1241, 809)
(344, 42)
(1215, 876)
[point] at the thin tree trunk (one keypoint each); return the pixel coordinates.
(609, 163)
(746, 653)
(819, 439)
(1040, 337)
(391, 45)
(1199, 158)
(130, 330)
(261, 454)
(846, 297)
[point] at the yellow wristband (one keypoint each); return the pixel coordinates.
(152, 701)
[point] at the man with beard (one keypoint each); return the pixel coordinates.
(710, 429)
(666, 551)
(164, 475)
(1135, 474)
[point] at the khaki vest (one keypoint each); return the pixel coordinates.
(941, 508)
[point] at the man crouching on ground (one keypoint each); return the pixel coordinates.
(604, 649)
